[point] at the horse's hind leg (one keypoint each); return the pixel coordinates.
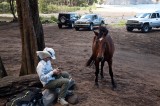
(102, 64)
(111, 73)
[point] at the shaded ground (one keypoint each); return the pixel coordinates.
(135, 64)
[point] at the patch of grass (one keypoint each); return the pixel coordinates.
(46, 20)
(55, 8)
(120, 23)
(89, 8)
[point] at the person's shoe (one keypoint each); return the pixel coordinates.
(69, 93)
(63, 102)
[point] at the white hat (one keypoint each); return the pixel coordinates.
(47, 52)
(51, 52)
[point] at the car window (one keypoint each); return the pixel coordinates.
(153, 15)
(95, 17)
(142, 15)
(72, 15)
(64, 16)
(158, 16)
(75, 15)
(145, 15)
(86, 17)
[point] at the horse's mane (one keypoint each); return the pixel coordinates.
(102, 30)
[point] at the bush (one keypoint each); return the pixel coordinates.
(46, 20)
(44, 8)
(52, 8)
(4, 7)
(120, 23)
(54, 19)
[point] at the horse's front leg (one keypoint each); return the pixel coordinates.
(102, 65)
(111, 73)
(96, 73)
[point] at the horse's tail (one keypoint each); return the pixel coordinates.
(90, 61)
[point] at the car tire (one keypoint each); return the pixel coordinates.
(71, 25)
(77, 29)
(59, 26)
(145, 28)
(129, 29)
(150, 28)
(91, 27)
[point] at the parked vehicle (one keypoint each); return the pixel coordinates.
(144, 21)
(67, 19)
(89, 21)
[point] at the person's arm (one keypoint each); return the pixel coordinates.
(44, 77)
(55, 71)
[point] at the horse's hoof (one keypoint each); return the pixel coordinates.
(97, 85)
(114, 87)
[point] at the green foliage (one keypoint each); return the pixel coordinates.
(53, 18)
(67, 9)
(42, 6)
(82, 3)
(52, 8)
(121, 23)
(4, 1)
(4, 7)
(55, 8)
(88, 7)
(46, 20)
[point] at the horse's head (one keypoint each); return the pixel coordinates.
(99, 43)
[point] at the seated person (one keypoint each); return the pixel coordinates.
(52, 78)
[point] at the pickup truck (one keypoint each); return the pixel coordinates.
(144, 21)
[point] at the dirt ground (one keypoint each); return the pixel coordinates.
(135, 63)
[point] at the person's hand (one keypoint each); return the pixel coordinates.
(56, 71)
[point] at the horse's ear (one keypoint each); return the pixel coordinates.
(96, 33)
(106, 32)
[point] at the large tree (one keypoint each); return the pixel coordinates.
(31, 34)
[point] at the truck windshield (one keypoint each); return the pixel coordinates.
(143, 15)
(86, 17)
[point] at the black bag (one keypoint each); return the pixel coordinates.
(30, 97)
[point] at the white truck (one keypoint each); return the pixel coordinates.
(144, 21)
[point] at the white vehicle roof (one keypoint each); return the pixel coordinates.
(152, 11)
(157, 11)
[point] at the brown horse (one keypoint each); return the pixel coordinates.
(102, 50)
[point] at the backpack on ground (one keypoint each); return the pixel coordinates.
(29, 97)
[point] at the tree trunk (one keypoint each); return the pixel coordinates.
(31, 34)
(37, 25)
(11, 2)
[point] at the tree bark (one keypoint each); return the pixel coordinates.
(37, 24)
(31, 34)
